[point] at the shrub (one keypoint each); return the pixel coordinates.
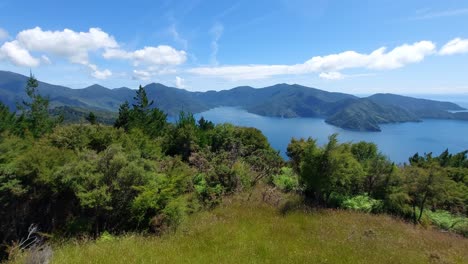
(176, 211)
(446, 220)
(287, 180)
(208, 194)
(363, 203)
(106, 237)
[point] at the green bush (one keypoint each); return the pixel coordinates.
(208, 194)
(106, 237)
(287, 180)
(363, 203)
(445, 220)
(176, 211)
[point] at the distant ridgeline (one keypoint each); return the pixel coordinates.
(281, 100)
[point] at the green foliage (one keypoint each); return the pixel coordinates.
(209, 192)
(35, 111)
(91, 118)
(150, 120)
(123, 120)
(203, 124)
(445, 220)
(176, 211)
(296, 149)
(106, 237)
(183, 138)
(424, 186)
(7, 119)
(287, 180)
(333, 173)
(330, 169)
(363, 203)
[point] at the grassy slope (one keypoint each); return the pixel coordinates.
(241, 233)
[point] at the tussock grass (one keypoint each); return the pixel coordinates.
(247, 232)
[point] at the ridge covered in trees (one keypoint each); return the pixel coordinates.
(281, 100)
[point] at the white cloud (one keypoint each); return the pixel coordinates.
(74, 46)
(17, 55)
(141, 75)
(179, 82)
(248, 72)
(217, 32)
(379, 59)
(3, 34)
(160, 55)
(68, 44)
(99, 74)
(102, 75)
(455, 46)
(331, 75)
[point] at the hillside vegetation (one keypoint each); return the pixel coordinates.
(146, 175)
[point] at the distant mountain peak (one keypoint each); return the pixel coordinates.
(96, 86)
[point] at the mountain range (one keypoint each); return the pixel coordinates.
(281, 100)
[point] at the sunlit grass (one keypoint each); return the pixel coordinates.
(253, 233)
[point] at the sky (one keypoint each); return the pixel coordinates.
(358, 47)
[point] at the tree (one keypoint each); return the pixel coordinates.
(424, 185)
(204, 125)
(364, 151)
(35, 111)
(7, 119)
(123, 120)
(141, 107)
(156, 122)
(183, 138)
(91, 118)
(295, 151)
(332, 169)
(151, 121)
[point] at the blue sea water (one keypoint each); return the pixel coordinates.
(397, 141)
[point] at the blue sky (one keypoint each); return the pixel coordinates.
(360, 47)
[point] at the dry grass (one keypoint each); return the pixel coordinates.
(241, 232)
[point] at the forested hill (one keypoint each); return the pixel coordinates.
(281, 100)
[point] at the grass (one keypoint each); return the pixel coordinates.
(241, 232)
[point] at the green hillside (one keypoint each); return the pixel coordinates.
(366, 115)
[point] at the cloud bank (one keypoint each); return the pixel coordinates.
(160, 55)
(33, 47)
(329, 65)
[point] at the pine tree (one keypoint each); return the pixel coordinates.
(35, 112)
(91, 118)
(123, 121)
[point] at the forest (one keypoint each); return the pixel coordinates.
(145, 174)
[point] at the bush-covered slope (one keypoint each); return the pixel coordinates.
(416, 105)
(365, 115)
